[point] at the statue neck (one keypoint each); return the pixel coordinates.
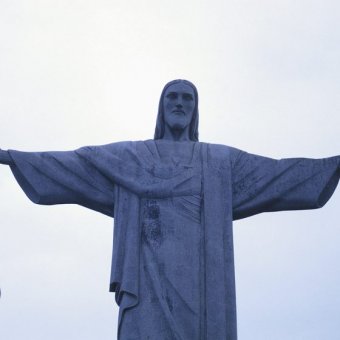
(176, 135)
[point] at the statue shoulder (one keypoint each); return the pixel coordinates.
(121, 146)
(221, 155)
(116, 149)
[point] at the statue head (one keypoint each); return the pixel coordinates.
(178, 109)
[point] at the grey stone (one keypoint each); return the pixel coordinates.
(173, 200)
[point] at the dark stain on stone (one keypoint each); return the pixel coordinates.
(169, 302)
(151, 210)
(151, 233)
(151, 225)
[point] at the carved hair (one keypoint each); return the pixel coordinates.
(160, 124)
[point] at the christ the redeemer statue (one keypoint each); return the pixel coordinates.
(174, 200)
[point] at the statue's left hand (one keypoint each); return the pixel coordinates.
(5, 158)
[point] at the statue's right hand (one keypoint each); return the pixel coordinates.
(5, 157)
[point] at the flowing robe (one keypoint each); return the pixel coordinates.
(174, 259)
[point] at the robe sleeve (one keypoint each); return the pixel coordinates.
(65, 177)
(262, 184)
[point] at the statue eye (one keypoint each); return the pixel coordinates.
(187, 96)
(171, 95)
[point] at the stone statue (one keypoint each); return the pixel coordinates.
(173, 200)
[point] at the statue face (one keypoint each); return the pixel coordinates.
(178, 105)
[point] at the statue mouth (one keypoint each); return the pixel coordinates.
(178, 112)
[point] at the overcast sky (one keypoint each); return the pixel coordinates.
(82, 72)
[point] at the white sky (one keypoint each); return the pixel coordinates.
(75, 73)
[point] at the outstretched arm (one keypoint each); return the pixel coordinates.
(262, 184)
(68, 177)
